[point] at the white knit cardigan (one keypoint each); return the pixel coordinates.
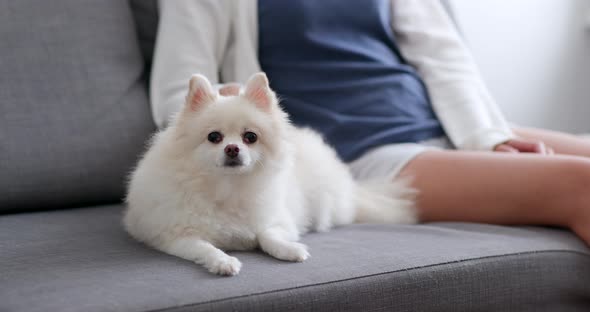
(218, 38)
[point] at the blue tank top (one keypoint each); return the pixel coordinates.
(337, 69)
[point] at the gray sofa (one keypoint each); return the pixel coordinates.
(74, 116)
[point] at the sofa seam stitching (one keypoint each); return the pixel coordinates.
(580, 253)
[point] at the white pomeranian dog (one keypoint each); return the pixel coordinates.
(232, 173)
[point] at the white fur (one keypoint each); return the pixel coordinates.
(182, 199)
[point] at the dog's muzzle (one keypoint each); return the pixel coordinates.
(233, 162)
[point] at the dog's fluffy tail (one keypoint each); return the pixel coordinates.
(385, 202)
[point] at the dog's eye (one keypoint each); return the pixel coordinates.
(250, 137)
(215, 137)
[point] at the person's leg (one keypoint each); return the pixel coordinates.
(502, 188)
(562, 143)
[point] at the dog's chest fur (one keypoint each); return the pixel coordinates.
(228, 219)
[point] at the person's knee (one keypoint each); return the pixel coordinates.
(575, 182)
(577, 172)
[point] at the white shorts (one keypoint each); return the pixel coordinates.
(388, 160)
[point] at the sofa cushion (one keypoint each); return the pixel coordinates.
(81, 260)
(74, 112)
(145, 14)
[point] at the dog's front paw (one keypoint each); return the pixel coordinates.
(292, 251)
(227, 266)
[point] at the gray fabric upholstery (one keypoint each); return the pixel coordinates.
(145, 14)
(81, 260)
(74, 112)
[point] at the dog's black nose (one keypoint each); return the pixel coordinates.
(232, 150)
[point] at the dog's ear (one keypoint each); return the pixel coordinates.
(200, 92)
(258, 91)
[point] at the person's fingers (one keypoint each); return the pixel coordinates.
(232, 89)
(550, 151)
(504, 148)
(525, 146)
(540, 148)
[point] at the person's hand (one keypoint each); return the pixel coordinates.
(230, 89)
(524, 146)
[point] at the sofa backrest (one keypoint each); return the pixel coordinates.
(74, 111)
(145, 13)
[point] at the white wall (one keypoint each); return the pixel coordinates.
(534, 56)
